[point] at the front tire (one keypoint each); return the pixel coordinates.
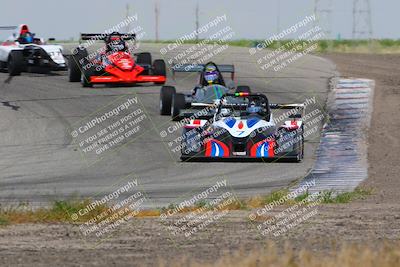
(166, 94)
(15, 63)
(74, 67)
(159, 69)
(178, 102)
(300, 145)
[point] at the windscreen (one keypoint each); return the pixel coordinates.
(210, 93)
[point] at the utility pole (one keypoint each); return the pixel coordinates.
(197, 21)
(362, 23)
(278, 17)
(323, 12)
(157, 14)
(127, 28)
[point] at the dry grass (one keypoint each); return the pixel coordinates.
(61, 211)
(387, 255)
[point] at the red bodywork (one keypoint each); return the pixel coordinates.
(124, 70)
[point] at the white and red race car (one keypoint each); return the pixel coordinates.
(243, 128)
(24, 52)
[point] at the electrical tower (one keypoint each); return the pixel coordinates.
(362, 24)
(157, 14)
(323, 12)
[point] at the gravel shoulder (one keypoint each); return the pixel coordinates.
(384, 135)
(144, 241)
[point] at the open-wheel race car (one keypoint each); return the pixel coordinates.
(243, 128)
(210, 88)
(23, 51)
(114, 63)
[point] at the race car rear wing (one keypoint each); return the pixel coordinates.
(200, 67)
(298, 108)
(7, 28)
(103, 36)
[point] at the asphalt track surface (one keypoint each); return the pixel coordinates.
(39, 161)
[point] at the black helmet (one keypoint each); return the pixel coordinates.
(115, 43)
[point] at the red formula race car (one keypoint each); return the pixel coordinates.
(113, 63)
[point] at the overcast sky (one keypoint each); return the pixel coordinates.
(249, 19)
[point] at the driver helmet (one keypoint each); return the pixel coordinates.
(115, 43)
(253, 108)
(27, 38)
(211, 74)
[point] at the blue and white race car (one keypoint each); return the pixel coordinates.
(210, 88)
(243, 128)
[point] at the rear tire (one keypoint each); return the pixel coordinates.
(144, 58)
(178, 102)
(166, 94)
(243, 89)
(15, 63)
(87, 70)
(74, 71)
(159, 69)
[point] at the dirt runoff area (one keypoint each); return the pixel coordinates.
(148, 241)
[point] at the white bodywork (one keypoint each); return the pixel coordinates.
(240, 127)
